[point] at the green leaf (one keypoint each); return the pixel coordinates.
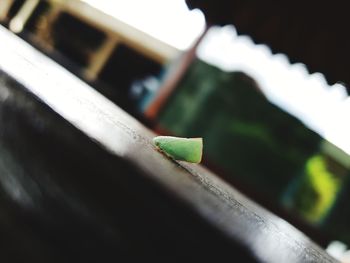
(182, 149)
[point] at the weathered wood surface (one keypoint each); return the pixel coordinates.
(80, 181)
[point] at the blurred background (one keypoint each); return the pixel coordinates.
(265, 85)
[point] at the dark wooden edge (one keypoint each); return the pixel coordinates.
(267, 236)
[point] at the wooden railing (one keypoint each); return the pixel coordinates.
(80, 181)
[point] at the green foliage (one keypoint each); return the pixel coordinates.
(317, 190)
(240, 128)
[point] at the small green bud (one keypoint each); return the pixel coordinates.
(182, 149)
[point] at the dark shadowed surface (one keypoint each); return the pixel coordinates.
(311, 32)
(81, 182)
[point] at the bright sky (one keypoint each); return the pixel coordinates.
(323, 108)
(167, 20)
